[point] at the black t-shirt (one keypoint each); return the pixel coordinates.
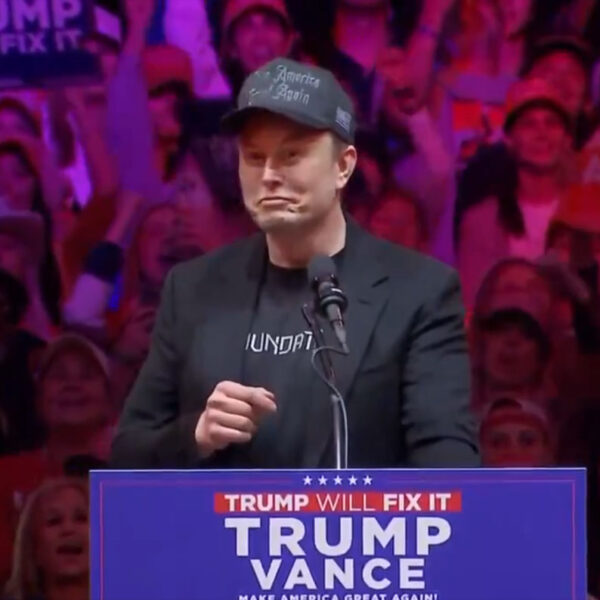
(277, 357)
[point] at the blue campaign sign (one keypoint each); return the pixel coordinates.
(338, 535)
(40, 42)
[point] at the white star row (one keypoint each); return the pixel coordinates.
(352, 480)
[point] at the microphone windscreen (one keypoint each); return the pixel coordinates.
(320, 267)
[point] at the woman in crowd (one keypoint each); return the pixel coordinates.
(539, 131)
(516, 434)
(77, 412)
(51, 555)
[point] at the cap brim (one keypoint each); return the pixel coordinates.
(73, 341)
(235, 121)
(539, 103)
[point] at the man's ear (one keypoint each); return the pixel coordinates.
(346, 163)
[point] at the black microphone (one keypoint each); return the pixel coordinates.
(330, 299)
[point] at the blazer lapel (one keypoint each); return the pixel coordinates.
(364, 280)
(235, 295)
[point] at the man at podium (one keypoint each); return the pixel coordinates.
(228, 382)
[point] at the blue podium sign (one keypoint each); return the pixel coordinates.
(338, 535)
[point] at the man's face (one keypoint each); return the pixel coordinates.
(290, 175)
(539, 139)
(511, 359)
(566, 75)
(516, 445)
(258, 37)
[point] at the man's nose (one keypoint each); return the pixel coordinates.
(271, 176)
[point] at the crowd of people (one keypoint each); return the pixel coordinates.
(478, 144)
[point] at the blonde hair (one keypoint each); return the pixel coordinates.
(25, 581)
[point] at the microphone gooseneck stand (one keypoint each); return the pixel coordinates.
(327, 374)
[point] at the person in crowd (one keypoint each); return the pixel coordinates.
(556, 295)
(572, 258)
(484, 45)
(361, 32)
(247, 33)
(539, 131)
(187, 25)
(207, 194)
(168, 77)
(58, 195)
(397, 218)
(421, 164)
(51, 554)
(253, 32)
(564, 62)
(574, 233)
(77, 117)
(25, 255)
(145, 94)
(73, 398)
(134, 129)
(487, 41)
(19, 349)
(144, 103)
(391, 104)
(165, 235)
(512, 344)
(515, 433)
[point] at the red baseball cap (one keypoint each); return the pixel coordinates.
(234, 9)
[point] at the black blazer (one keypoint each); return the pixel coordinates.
(406, 381)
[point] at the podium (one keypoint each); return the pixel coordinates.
(338, 535)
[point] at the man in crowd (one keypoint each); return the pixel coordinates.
(253, 33)
(212, 393)
(514, 222)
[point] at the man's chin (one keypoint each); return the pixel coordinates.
(275, 223)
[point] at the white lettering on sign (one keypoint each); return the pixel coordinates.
(290, 537)
(19, 15)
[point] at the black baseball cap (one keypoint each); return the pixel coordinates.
(303, 93)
